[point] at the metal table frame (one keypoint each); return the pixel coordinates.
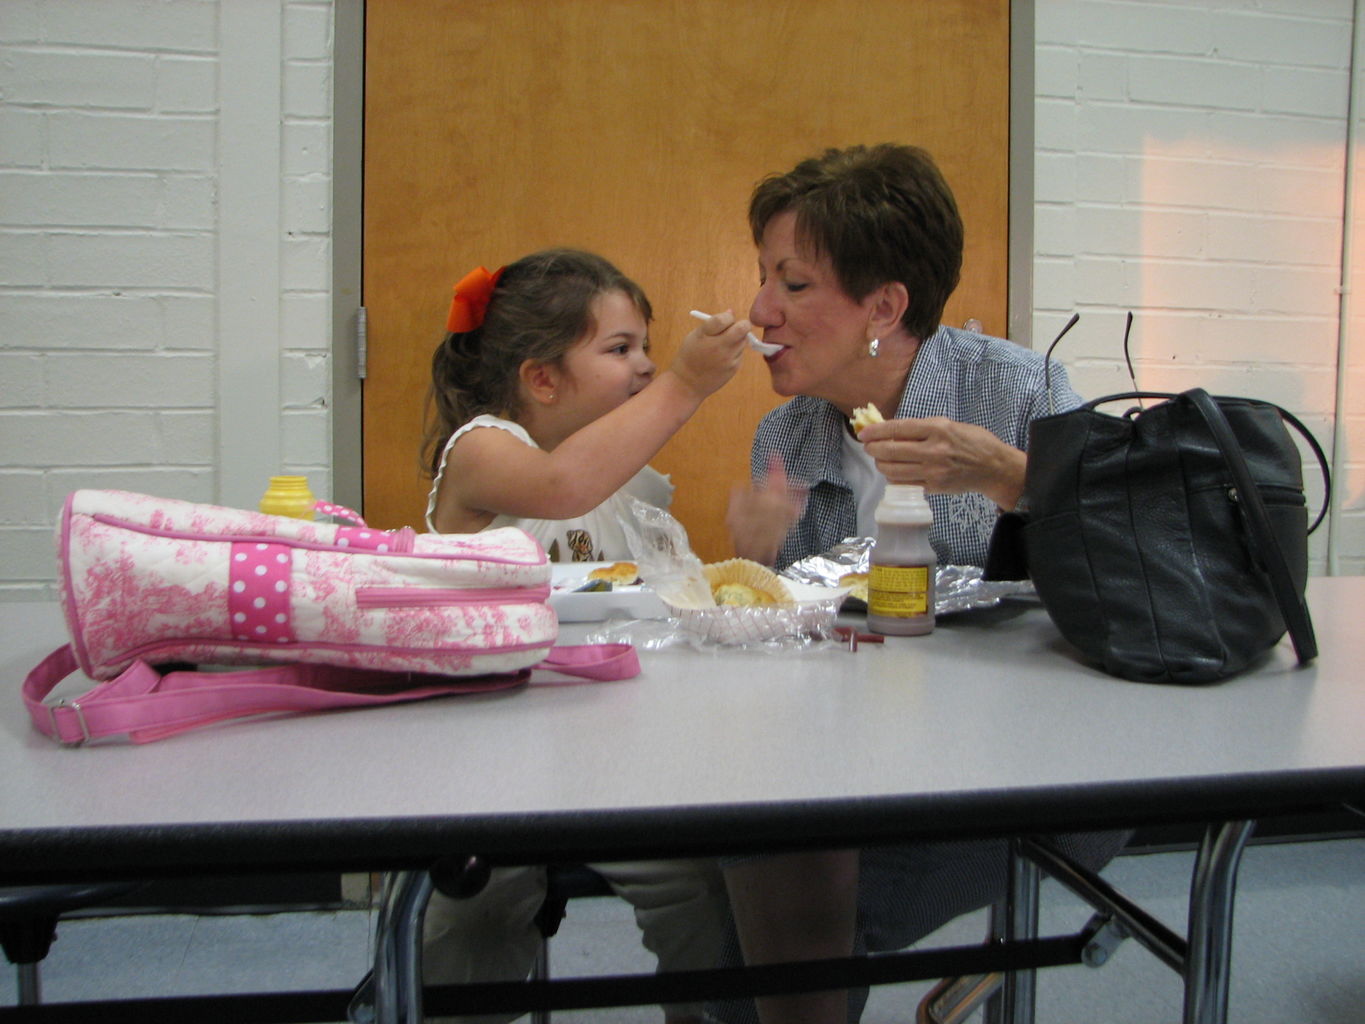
(1202, 958)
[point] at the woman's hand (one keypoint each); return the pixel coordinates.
(947, 457)
(761, 515)
(709, 356)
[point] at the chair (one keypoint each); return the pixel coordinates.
(467, 876)
(951, 1001)
(564, 882)
(28, 923)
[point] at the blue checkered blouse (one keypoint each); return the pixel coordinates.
(964, 376)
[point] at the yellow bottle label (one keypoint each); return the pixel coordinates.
(898, 591)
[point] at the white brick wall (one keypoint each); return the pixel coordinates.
(306, 221)
(112, 335)
(1191, 168)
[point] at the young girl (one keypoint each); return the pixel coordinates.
(548, 408)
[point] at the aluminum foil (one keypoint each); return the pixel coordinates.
(960, 588)
(957, 588)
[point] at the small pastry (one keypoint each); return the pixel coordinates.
(740, 594)
(865, 415)
(739, 581)
(856, 583)
(618, 574)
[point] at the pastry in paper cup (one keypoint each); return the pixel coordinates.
(743, 583)
(788, 609)
(811, 613)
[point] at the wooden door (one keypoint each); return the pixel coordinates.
(637, 128)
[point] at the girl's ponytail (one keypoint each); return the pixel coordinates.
(456, 384)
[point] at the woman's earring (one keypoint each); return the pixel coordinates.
(872, 347)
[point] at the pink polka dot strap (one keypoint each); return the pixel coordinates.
(327, 508)
(258, 592)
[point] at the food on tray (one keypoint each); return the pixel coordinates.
(741, 594)
(618, 573)
(741, 582)
(865, 415)
(856, 583)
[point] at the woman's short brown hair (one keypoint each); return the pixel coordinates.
(879, 213)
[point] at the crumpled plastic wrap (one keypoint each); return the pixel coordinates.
(659, 545)
(663, 634)
(957, 588)
(661, 550)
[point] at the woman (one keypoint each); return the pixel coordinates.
(858, 251)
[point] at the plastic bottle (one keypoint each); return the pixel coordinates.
(900, 598)
(288, 496)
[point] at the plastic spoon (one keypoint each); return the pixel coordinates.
(767, 348)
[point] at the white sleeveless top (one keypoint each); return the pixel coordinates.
(594, 537)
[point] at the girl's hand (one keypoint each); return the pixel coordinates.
(946, 457)
(761, 515)
(709, 356)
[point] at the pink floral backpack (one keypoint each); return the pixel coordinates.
(341, 616)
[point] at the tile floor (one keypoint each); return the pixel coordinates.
(1298, 953)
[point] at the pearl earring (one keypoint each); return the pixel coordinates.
(872, 347)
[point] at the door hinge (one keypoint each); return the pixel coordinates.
(361, 342)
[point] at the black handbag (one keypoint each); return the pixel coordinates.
(1168, 544)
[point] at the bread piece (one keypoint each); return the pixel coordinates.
(865, 415)
(739, 581)
(856, 583)
(741, 595)
(618, 574)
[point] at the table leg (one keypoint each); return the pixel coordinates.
(1210, 926)
(1014, 920)
(398, 948)
(30, 985)
(381, 973)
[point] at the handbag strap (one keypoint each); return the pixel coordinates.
(147, 704)
(1293, 607)
(1285, 415)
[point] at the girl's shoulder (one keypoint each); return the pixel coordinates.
(488, 420)
(497, 422)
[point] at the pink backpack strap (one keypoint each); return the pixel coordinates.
(328, 508)
(600, 662)
(146, 704)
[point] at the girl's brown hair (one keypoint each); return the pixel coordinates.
(541, 308)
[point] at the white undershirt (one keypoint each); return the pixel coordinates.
(868, 484)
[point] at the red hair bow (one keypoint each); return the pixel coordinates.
(471, 299)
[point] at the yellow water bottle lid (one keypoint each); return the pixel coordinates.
(288, 496)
